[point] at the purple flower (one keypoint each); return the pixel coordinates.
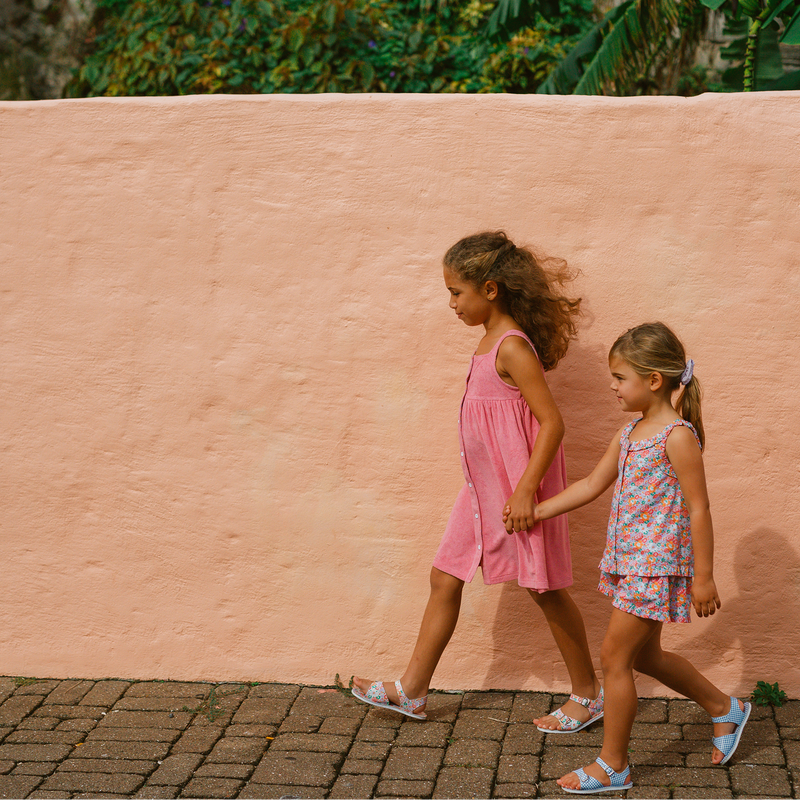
(371, 43)
(243, 25)
(226, 2)
(525, 50)
(392, 74)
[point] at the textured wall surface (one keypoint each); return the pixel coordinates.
(230, 376)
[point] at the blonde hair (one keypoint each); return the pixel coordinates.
(653, 347)
(528, 285)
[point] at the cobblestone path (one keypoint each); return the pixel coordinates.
(116, 738)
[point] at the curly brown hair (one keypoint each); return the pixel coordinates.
(527, 283)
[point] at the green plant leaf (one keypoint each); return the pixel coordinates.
(751, 7)
(777, 9)
(788, 82)
(792, 33)
(766, 694)
(769, 64)
(367, 75)
(564, 78)
(295, 39)
(510, 16)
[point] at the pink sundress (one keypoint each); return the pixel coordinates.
(497, 431)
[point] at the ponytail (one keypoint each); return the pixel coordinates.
(688, 407)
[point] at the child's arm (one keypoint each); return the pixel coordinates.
(587, 489)
(687, 461)
(516, 360)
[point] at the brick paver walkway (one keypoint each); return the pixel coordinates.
(116, 738)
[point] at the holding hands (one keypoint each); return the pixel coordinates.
(519, 513)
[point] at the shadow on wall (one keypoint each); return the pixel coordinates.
(522, 645)
(772, 612)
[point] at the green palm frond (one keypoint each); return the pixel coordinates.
(792, 33)
(630, 46)
(564, 78)
(618, 51)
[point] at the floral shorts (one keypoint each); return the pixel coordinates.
(665, 598)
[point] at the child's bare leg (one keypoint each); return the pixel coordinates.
(438, 624)
(681, 676)
(569, 632)
(624, 639)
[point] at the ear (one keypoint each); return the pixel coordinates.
(490, 290)
(656, 381)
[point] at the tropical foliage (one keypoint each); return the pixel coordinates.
(759, 27)
(184, 46)
(649, 45)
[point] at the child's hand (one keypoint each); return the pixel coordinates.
(705, 598)
(519, 513)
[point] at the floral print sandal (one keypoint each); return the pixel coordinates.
(570, 724)
(376, 696)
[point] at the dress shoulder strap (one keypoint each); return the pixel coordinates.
(624, 438)
(515, 332)
(680, 423)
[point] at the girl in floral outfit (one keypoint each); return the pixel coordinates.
(658, 560)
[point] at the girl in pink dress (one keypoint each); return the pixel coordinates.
(659, 554)
(510, 433)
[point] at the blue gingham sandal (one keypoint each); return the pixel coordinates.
(570, 724)
(620, 781)
(376, 696)
(727, 744)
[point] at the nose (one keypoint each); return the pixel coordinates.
(452, 302)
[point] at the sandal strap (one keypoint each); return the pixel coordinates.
(377, 692)
(610, 772)
(595, 708)
(584, 701)
(722, 743)
(735, 715)
(587, 782)
(566, 722)
(617, 778)
(407, 703)
(592, 705)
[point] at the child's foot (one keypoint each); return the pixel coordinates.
(597, 777)
(594, 770)
(576, 714)
(736, 717)
(390, 696)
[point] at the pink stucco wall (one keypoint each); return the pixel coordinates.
(230, 377)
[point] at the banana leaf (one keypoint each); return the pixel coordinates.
(768, 63)
(790, 81)
(791, 34)
(566, 76)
